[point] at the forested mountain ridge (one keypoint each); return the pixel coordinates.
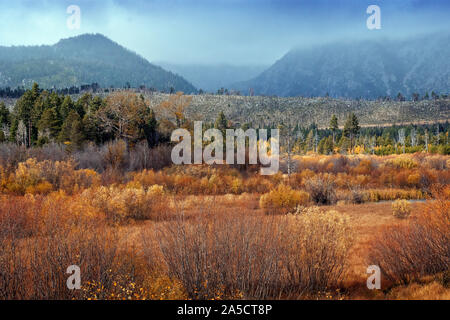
(353, 69)
(82, 60)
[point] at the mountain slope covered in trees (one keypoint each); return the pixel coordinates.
(82, 60)
(368, 69)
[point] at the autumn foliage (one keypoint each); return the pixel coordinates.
(205, 232)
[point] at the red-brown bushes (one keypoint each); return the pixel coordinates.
(232, 255)
(222, 256)
(33, 261)
(18, 216)
(419, 248)
(321, 189)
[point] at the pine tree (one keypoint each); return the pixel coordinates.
(23, 110)
(329, 145)
(96, 104)
(77, 136)
(66, 128)
(344, 144)
(151, 130)
(310, 141)
(66, 107)
(35, 90)
(93, 130)
(351, 128)
(334, 127)
(221, 122)
(5, 117)
(49, 123)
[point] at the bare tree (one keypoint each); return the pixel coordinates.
(174, 108)
(289, 136)
(401, 138)
(122, 114)
(6, 131)
(316, 141)
(21, 134)
(413, 137)
(438, 138)
(373, 142)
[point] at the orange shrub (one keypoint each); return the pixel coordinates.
(414, 180)
(258, 184)
(365, 167)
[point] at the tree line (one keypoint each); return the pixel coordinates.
(352, 138)
(41, 116)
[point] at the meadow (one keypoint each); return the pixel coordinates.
(221, 232)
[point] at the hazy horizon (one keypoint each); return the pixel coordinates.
(218, 32)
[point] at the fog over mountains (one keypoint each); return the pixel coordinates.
(81, 60)
(353, 69)
(213, 77)
(347, 69)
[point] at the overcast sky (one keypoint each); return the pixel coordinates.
(235, 32)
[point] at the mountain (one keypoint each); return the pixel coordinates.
(81, 60)
(210, 78)
(368, 69)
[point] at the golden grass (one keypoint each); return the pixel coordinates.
(416, 291)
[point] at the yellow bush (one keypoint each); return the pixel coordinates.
(32, 176)
(401, 209)
(28, 173)
(146, 178)
(156, 190)
(41, 188)
(402, 162)
(283, 199)
(307, 174)
(236, 186)
(395, 194)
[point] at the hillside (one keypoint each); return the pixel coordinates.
(368, 69)
(83, 60)
(304, 111)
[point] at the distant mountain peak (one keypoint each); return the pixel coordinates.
(84, 59)
(353, 69)
(96, 38)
